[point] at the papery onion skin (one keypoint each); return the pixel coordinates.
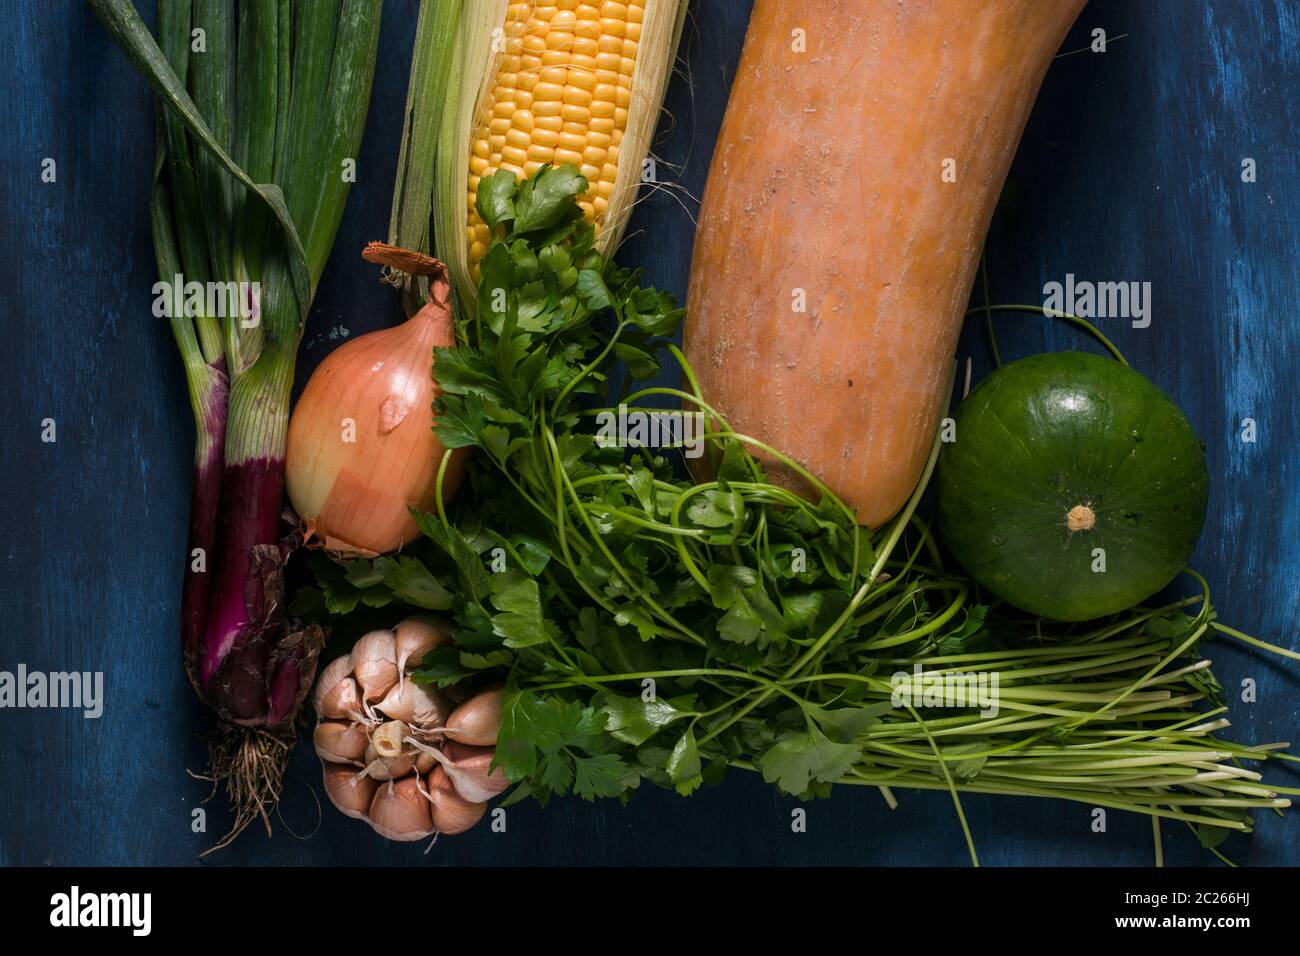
(361, 449)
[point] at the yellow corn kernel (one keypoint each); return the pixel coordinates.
(545, 137)
(576, 96)
(574, 113)
(573, 140)
(548, 91)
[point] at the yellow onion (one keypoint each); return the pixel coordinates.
(361, 449)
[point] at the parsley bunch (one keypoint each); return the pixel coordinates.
(649, 626)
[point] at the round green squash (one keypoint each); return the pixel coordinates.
(1073, 488)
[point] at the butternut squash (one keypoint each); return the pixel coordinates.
(859, 161)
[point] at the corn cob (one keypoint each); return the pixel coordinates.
(551, 81)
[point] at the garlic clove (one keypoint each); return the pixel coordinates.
(349, 791)
(340, 741)
(418, 705)
(387, 738)
(417, 635)
(471, 773)
(424, 763)
(337, 670)
(380, 767)
(399, 811)
(459, 752)
(374, 664)
(343, 700)
(399, 766)
(452, 813)
(477, 721)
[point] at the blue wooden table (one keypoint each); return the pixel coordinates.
(1130, 170)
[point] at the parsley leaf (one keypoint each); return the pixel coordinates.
(799, 757)
(634, 720)
(684, 764)
(545, 199)
(496, 198)
(598, 776)
(410, 581)
(521, 621)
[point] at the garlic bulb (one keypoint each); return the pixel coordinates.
(361, 452)
(381, 738)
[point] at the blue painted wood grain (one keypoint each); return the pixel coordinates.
(1129, 169)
